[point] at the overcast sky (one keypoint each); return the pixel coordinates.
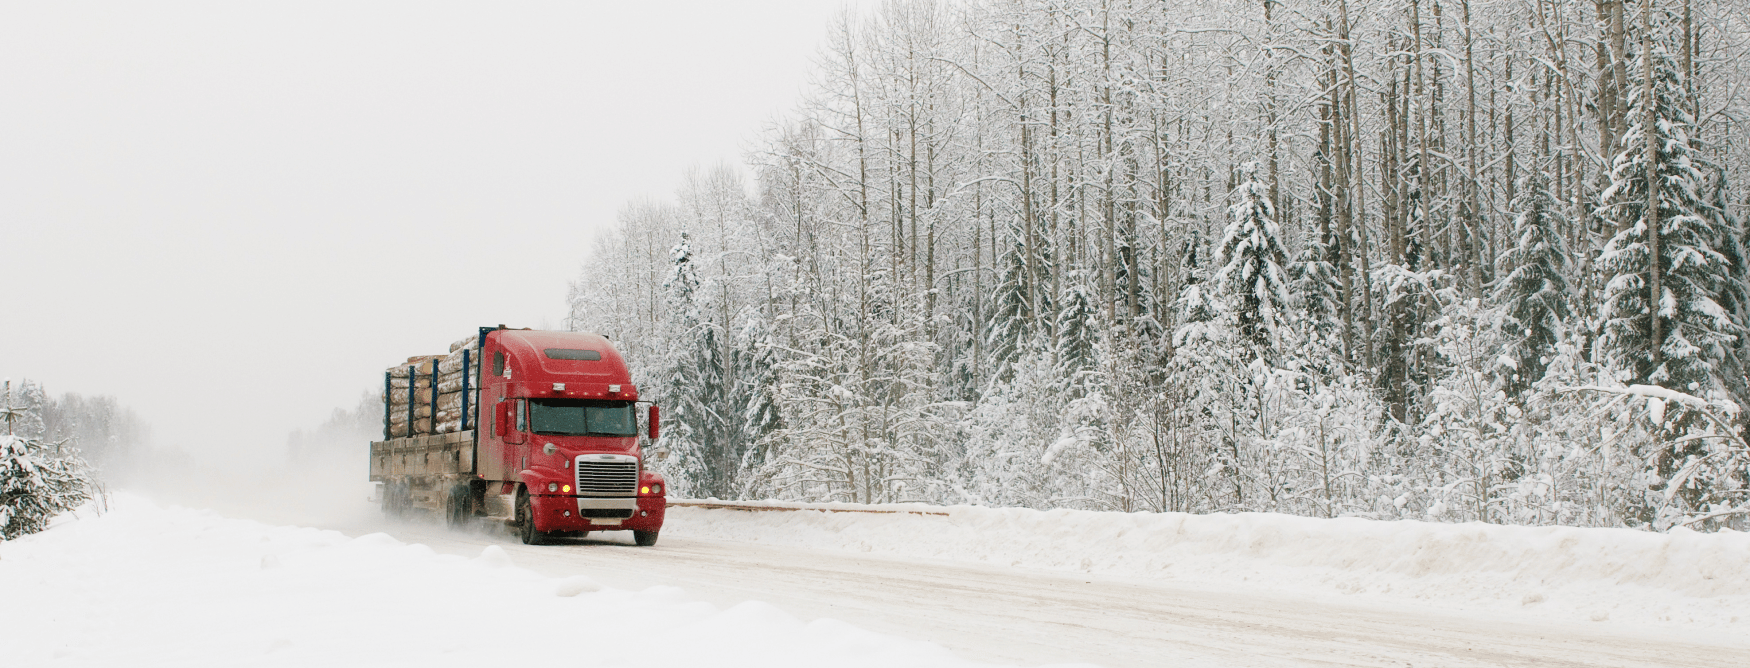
(233, 215)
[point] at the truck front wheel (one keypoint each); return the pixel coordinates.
(644, 538)
(525, 515)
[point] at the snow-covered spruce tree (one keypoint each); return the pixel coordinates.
(682, 377)
(1209, 362)
(1315, 285)
(38, 480)
(26, 403)
(1084, 421)
(1251, 257)
(1735, 298)
(1662, 324)
(756, 401)
(1077, 333)
(721, 461)
(1533, 291)
(1411, 300)
(1019, 303)
(1405, 303)
(1416, 223)
(1007, 327)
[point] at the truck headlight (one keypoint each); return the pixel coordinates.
(552, 487)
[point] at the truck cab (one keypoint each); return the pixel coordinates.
(563, 435)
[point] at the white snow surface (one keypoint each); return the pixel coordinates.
(145, 585)
(1683, 581)
(150, 585)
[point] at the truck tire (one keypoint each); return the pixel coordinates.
(525, 515)
(395, 500)
(644, 538)
(459, 507)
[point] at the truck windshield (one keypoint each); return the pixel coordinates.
(578, 417)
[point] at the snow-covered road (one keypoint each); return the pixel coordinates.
(153, 584)
(1027, 616)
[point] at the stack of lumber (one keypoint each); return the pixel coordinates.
(448, 372)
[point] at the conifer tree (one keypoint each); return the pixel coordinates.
(1008, 325)
(1251, 258)
(756, 395)
(1534, 290)
(1415, 215)
(683, 374)
(1673, 338)
(719, 447)
(1314, 279)
(1076, 335)
(1199, 311)
(1734, 245)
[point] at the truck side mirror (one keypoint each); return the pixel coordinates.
(514, 427)
(508, 425)
(655, 421)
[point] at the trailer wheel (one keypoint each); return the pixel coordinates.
(644, 538)
(395, 499)
(388, 502)
(459, 507)
(525, 515)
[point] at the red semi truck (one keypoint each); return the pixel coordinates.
(536, 429)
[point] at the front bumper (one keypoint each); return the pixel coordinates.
(560, 512)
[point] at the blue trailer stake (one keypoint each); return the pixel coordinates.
(465, 370)
(412, 382)
(434, 381)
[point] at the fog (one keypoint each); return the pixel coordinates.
(232, 216)
(329, 489)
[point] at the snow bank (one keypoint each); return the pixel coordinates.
(149, 586)
(1682, 578)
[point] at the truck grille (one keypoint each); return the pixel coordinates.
(618, 477)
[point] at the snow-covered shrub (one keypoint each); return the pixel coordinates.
(1017, 453)
(1687, 463)
(1324, 432)
(37, 482)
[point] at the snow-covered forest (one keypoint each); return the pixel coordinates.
(99, 427)
(1320, 257)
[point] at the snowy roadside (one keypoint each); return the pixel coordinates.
(1681, 581)
(145, 585)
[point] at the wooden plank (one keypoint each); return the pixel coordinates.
(425, 455)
